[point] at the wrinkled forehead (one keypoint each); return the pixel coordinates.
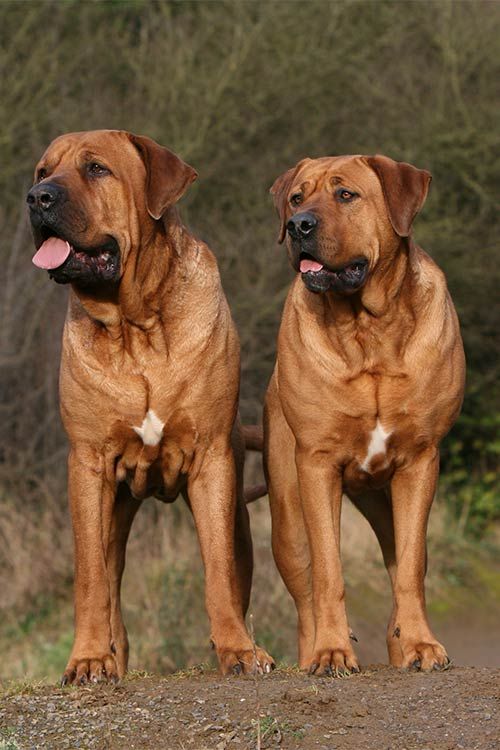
(108, 146)
(347, 171)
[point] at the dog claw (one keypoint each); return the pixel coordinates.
(353, 637)
(313, 668)
(416, 664)
(437, 667)
(245, 661)
(64, 680)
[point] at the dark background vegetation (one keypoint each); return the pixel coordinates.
(242, 90)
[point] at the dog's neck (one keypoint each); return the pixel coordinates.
(151, 268)
(381, 296)
(381, 318)
(384, 287)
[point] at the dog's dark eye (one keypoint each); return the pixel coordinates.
(296, 199)
(345, 195)
(96, 170)
(41, 174)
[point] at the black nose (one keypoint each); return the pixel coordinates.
(44, 195)
(302, 225)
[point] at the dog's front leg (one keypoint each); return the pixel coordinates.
(413, 489)
(91, 503)
(212, 495)
(320, 488)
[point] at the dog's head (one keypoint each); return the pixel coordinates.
(95, 194)
(343, 214)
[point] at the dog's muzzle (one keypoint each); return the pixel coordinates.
(56, 223)
(345, 279)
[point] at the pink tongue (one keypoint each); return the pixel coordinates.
(306, 264)
(52, 253)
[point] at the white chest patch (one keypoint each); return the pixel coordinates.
(378, 438)
(151, 429)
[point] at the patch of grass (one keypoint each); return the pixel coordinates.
(298, 734)
(194, 671)
(35, 641)
(273, 731)
(22, 687)
(54, 654)
(8, 740)
(137, 674)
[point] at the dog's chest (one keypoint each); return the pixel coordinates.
(372, 423)
(151, 429)
(150, 433)
(369, 452)
(376, 449)
(393, 429)
(153, 457)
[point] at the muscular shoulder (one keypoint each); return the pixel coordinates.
(427, 273)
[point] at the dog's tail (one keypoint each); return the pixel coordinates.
(254, 441)
(253, 436)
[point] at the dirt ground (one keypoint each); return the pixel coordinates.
(380, 709)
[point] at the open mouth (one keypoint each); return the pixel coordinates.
(345, 279)
(68, 263)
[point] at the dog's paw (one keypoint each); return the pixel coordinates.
(245, 662)
(90, 671)
(424, 656)
(334, 662)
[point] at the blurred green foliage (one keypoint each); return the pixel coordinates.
(242, 90)
(470, 483)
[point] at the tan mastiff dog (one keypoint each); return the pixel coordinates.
(149, 383)
(369, 378)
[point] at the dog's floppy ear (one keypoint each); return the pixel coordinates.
(167, 176)
(405, 189)
(279, 191)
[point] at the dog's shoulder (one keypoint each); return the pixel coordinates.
(426, 271)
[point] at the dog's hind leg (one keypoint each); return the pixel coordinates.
(289, 538)
(124, 510)
(243, 553)
(376, 507)
(243, 549)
